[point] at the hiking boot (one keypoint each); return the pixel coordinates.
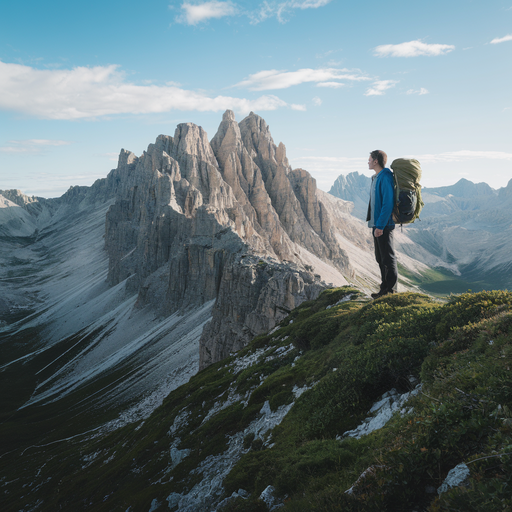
(381, 293)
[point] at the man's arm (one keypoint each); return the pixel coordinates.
(387, 192)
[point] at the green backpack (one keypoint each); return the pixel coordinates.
(408, 203)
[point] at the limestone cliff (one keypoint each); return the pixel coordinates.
(229, 221)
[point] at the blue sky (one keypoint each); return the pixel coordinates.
(333, 79)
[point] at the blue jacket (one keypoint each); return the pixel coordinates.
(384, 200)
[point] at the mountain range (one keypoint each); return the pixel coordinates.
(175, 259)
(115, 296)
(464, 231)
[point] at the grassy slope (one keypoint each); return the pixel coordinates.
(441, 282)
(349, 355)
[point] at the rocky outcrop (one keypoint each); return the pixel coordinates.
(298, 211)
(191, 216)
(254, 295)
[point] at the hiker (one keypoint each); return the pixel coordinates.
(380, 219)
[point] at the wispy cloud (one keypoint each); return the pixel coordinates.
(330, 161)
(412, 49)
(420, 91)
(282, 10)
(498, 40)
(82, 92)
(332, 85)
(112, 156)
(31, 146)
(46, 184)
(317, 101)
(194, 13)
(463, 155)
(380, 87)
(326, 54)
(275, 79)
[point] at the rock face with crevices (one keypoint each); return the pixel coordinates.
(229, 221)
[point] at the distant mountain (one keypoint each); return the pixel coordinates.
(464, 189)
(353, 187)
(466, 226)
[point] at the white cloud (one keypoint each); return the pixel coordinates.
(317, 101)
(197, 13)
(380, 87)
(31, 146)
(502, 39)
(281, 10)
(412, 49)
(333, 85)
(275, 79)
(420, 92)
(83, 92)
(463, 156)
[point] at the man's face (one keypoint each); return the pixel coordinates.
(372, 163)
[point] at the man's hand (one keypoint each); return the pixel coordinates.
(378, 232)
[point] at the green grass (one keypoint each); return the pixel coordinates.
(347, 356)
(440, 281)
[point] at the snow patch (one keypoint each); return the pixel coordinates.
(215, 468)
(383, 410)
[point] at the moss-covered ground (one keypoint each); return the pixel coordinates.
(347, 353)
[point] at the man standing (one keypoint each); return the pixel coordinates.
(380, 219)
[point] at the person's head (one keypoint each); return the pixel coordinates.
(379, 158)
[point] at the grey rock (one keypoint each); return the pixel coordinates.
(456, 477)
(194, 222)
(270, 500)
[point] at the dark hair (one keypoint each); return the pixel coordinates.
(380, 156)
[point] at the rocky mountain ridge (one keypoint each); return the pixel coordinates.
(115, 294)
(187, 213)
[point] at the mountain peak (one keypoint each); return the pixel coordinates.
(463, 189)
(196, 210)
(229, 115)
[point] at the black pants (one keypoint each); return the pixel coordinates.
(386, 258)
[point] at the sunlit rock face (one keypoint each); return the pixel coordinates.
(177, 258)
(192, 220)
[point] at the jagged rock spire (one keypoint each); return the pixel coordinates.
(188, 211)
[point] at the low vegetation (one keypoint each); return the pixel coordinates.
(332, 359)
